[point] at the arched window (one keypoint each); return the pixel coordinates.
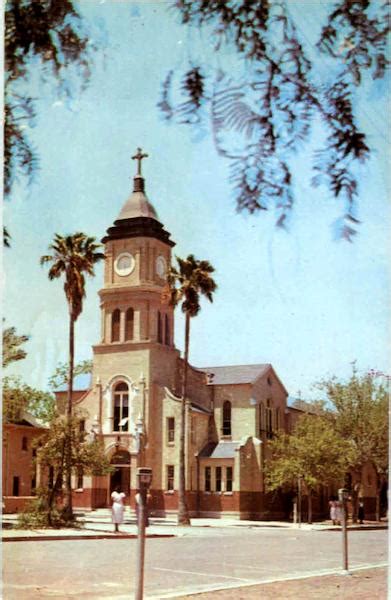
(121, 407)
(115, 325)
(159, 327)
(227, 418)
(129, 324)
(167, 331)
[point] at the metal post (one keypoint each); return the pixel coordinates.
(144, 479)
(342, 496)
(299, 499)
(140, 545)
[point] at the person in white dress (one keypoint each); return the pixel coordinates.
(118, 508)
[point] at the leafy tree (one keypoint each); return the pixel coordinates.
(71, 257)
(87, 456)
(262, 111)
(61, 374)
(187, 283)
(19, 397)
(11, 346)
(360, 414)
(46, 35)
(314, 451)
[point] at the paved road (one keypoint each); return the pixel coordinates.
(205, 560)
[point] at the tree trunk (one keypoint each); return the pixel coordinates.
(68, 509)
(183, 513)
(309, 498)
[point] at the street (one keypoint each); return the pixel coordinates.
(202, 559)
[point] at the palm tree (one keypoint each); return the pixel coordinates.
(186, 284)
(72, 256)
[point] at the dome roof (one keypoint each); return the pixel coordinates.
(137, 205)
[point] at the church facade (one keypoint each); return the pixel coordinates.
(133, 403)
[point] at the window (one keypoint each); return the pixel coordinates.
(79, 483)
(33, 485)
(167, 331)
(207, 479)
(115, 325)
(24, 443)
(218, 479)
(15, 486)
(228, 479)
(121, 407)
(170, 430)
(269, 420)
(269, 381)
(170, 477)
(278, 418)
(262, 419)
(159, 328)
(129, 324)
(227, 418)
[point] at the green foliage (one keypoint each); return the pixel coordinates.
(360, 414)
(87, 453)
(192, 278)
(19, 397)
(73, 255)
(38, 514)
(314, 451)
(11, 346)
(60, 376)
(45, 36)
(261, 113)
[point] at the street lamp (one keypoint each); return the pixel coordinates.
(144, 480)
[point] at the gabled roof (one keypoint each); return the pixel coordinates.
(28, 420)
(235, 374)
(221, 449)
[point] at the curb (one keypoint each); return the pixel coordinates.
(101, 536)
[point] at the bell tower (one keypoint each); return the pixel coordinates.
(138, 255)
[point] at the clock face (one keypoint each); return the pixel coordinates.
(161, 266)
(124, 264)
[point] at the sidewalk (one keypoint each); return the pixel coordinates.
(97, 525)
(358, 585)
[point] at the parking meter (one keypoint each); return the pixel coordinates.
(144, 479)
(343, 495)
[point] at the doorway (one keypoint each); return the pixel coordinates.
(120, 477)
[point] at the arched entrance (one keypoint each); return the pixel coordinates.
(120, 477)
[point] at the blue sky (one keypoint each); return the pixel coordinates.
(301, 300)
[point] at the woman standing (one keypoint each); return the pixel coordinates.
(117, 509)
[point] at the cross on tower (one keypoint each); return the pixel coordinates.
(139, 157)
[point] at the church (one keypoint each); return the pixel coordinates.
(133, 397)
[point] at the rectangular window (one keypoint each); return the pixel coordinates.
(24, 443)
(15, 486)
(207, 479)
(170, 477)
(228, 482)
(170, 430)
(218, 479)
(33, 485)
(79, 483)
